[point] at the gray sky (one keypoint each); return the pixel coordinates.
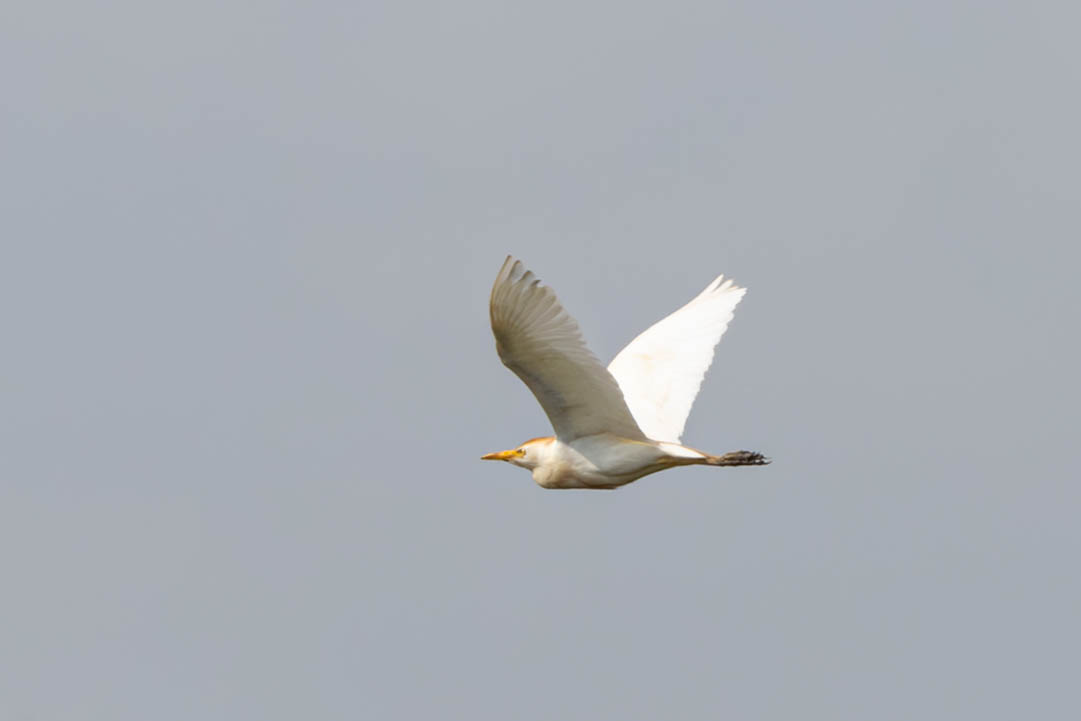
(248, 373)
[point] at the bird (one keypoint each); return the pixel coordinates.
(617, 424)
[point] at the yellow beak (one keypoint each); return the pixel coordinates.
(501, 456)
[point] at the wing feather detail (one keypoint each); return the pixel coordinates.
(661, 371)
(538, 340)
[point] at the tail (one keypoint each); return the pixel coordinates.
(737, 458)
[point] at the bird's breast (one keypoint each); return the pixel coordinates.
(558, 475)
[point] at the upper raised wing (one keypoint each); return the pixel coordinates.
(662, 369)
(542, 344)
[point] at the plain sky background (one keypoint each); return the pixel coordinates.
(247, 371)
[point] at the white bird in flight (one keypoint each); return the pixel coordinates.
(612, 425)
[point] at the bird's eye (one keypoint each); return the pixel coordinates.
(521, 451)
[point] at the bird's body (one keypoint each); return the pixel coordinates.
(612, 425)
(598, 461)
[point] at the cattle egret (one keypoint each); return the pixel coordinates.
(615, 425)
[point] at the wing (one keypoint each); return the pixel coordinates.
(662, 369)
(541, 343)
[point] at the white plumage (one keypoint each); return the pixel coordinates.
(617, 424)
(662, 369)
(540, 342)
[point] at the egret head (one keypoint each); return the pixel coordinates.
(527, 455)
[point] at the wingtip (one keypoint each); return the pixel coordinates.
(721, 286)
